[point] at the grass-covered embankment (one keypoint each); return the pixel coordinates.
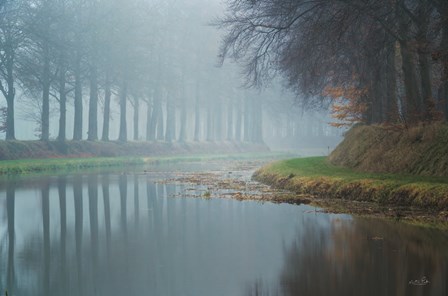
(27, 166)
(416, 150)
(318, 177)
(10, 150)
(23, 157)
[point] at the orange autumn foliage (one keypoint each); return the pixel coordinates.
(348, 107)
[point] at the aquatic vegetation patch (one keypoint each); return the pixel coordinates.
(233, 181)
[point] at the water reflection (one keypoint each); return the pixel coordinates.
(123, 187)
(79, 223)
(58, 238)
(62, 192)
(45, 194)
(361, 257)
(10, 208)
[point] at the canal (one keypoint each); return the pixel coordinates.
(185, 230)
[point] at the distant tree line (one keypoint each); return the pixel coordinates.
(377, 61)
(87, 55)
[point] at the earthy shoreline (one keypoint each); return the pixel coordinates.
(401, 198)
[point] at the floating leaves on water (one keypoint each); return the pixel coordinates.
(421, 282)
(232, 181)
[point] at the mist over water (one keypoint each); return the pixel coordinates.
(126, 234)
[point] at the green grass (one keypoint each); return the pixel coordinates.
(316, 176)
(23, 166)
(320, 167)
(27, 166)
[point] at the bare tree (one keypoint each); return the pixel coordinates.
(320, 44)
(11, 39)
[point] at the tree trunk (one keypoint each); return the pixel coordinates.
(239, 117)
(296, 128)
(425, 72)
(197, 115)
(62, 101)
(258, 121)
(45, 120)
(154, 117)
(77, 126)
(413, 107)
(425, 60)
(170, 120)
(160, 134)
(444, 60)
(309, 126)
(230, 120)
(9, 93)
(148, 119)
(123, 100)
(390, 100)
(247, 120)
(183, 121)
(376, 100)
(210, 122)
(136, 118)
(106, 114)
(10, 133)
(218, 120)
(92, 134)
(413, 100)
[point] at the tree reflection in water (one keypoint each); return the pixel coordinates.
(10, 208)
(78, 205)
(361, 257)
(62, 192)
(64, 241)
(46, 234)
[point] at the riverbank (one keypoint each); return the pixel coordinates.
(11, 150)
(51, 165)
(416, 150)
(317, 177)
(22, 157)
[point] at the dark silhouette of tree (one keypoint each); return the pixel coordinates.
(315, 45)
(11, 41)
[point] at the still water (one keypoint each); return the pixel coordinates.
(115, 233)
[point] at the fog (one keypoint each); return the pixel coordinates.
(144, 71)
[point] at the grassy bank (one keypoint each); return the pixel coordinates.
(317, 176)
(417, 150)
(10, 150)
(27, 166)
(21, 157)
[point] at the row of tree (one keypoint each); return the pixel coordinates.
(377, 60)
(53, 48)
(72, 57)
